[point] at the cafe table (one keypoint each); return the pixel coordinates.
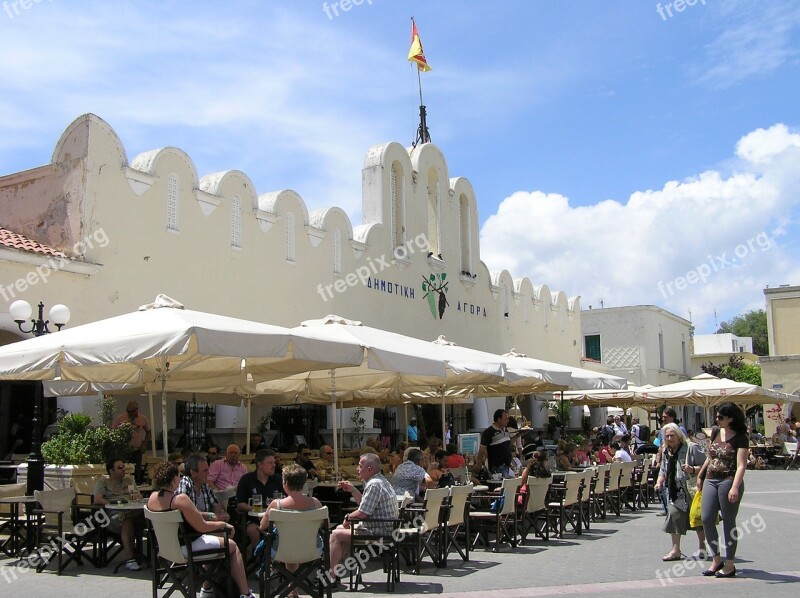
(127, 506)
(20, 534)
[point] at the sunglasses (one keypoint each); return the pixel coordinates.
(719, 417)
(306, 454)
(131, 412)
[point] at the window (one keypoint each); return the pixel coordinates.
(661, 350)
(683, 357)
(398, 204)
(464, 226)
(337, 251)
(290, 237)
(591, 344)
(433, 213)
(236, 222)
(172, 202)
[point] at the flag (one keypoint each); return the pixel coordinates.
(415, 54)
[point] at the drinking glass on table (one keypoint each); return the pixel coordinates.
(256, 504)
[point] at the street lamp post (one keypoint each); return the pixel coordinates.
(59, 314)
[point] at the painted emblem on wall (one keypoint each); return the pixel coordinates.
(435, 289)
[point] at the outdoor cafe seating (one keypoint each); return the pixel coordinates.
(500, 520)
(63, 525)
(534, 515)
(185, 574)
(428, 537)
(296, 536)
(456, 526)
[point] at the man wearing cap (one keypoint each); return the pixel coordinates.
(141, 432)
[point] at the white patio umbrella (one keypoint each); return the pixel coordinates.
(708, 391)
(392, 364)
(164, 343)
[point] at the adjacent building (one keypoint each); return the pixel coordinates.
(780, 370)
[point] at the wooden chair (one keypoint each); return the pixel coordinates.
(59, 524)
(535, 514)
(641, 473)
(612, 494)
(503, 522)
(627, 494)
(10, 519)
(564, 505)
(790, 452)
(457, 523)
(186, 572)
(600, 484)
(428, 536)
(297, 535)
(388, 550)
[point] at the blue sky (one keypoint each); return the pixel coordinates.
(614, 149)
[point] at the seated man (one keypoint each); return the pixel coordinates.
(410, 476)
(193, 484)
(325, 464)
(226, 472)
(303, 459)
(378, 501)
(118, 486)
(262, 482)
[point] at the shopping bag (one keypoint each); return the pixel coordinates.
(695, 513)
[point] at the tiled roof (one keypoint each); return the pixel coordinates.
(14, 240)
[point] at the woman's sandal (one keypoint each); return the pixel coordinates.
(672, 558)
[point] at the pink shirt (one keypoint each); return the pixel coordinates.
(223, 476)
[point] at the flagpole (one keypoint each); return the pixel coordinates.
(423, 135)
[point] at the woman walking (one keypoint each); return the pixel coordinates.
(722, 480)
(679, 462)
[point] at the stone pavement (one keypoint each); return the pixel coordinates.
(621, 555)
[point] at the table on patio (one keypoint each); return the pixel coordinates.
(128, 506)
(20, 534)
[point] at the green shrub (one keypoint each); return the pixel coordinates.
(79, 444)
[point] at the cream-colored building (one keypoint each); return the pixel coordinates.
(719, 348)
(781, 369)
(643, 343)
(131, 229)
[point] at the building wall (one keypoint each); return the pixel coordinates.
(630, 342)
(112, 216)
(781, 369)
(724, 343)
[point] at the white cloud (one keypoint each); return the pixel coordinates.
(710, 242)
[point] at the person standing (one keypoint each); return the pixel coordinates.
(141, 433)
(722, 481)
(496, 446)
(681, 461)
(412, 432)
(668, 416)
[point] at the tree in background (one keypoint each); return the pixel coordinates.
(752, 324)
(736, 369)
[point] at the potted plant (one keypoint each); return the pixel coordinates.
(80, 450)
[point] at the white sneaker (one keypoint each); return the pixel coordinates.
(206, 593)
(132, 565)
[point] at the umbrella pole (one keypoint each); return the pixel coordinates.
(164, 424)
(335, 440)
(405, 417)
(444, 418)
(249, 405)
(152, 420)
